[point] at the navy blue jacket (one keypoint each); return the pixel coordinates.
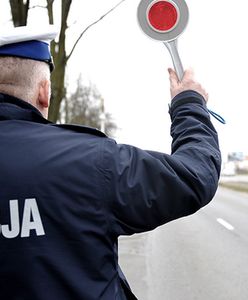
(68, 192)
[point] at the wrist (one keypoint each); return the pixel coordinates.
(186, 97)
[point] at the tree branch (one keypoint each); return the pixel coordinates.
(50, 10)
(89, 26)
(39, 6)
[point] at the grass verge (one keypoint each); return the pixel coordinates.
(237, 186)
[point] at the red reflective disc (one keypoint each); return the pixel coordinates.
(163, 15)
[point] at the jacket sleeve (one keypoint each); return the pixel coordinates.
(145, 189)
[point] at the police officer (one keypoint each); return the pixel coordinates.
(68, 192)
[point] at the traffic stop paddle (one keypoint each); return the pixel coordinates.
(164, 21)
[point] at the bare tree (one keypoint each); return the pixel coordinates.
(86, 106)
(19, 11)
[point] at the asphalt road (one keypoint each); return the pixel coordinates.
(201, 257)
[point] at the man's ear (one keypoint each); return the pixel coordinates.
(44, 94)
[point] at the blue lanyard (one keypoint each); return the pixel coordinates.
(217, 116)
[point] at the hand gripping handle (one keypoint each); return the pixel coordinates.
(178, 66)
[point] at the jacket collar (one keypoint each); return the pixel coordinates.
(12, 108)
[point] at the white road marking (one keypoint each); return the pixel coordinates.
(225, 224)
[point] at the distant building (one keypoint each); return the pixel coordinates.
(240, 160)
(236, 163)
(236, 156)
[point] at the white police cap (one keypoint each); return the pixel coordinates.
(28, 42)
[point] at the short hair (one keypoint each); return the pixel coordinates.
(20, 77)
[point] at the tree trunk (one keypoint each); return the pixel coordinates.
(19, 12)
(59, 55)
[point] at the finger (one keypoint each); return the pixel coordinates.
(173, 77)
(172, 73)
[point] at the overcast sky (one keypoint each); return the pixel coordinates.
(130, 70)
